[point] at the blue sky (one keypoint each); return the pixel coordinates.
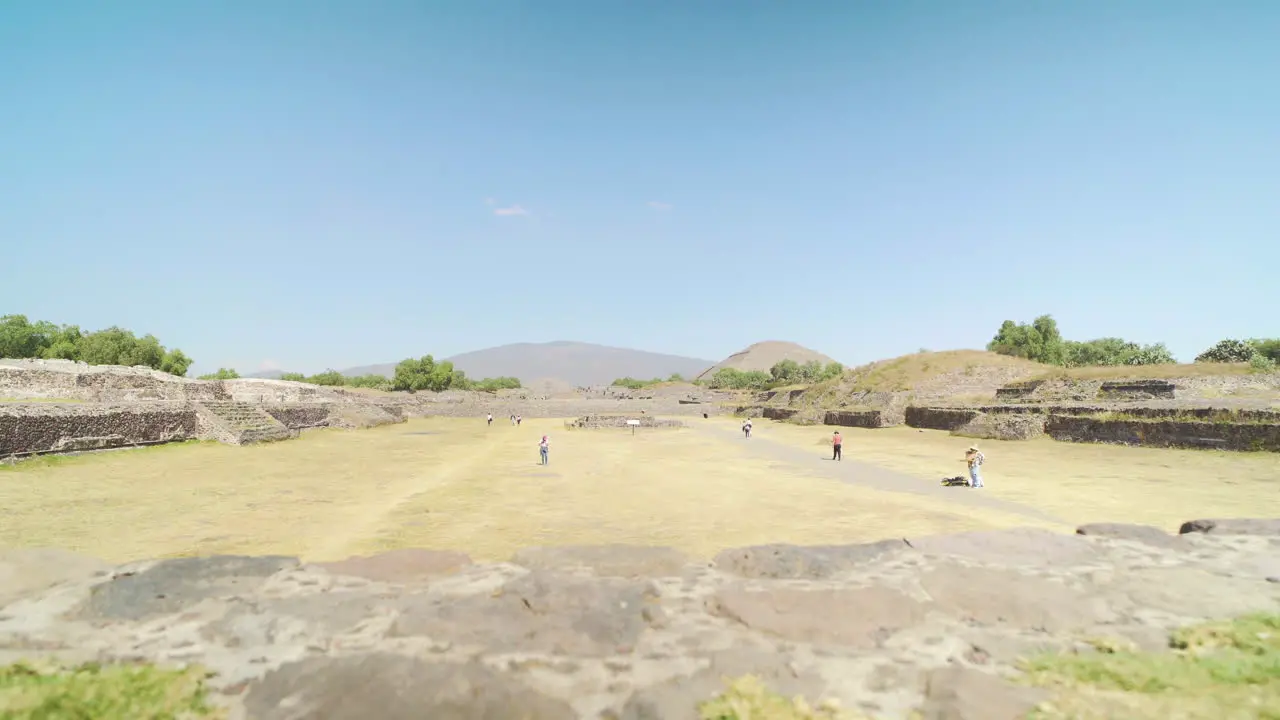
(313, 183)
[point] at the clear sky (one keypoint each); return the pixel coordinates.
(311, 183)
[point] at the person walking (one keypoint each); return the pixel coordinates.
(544, 447)
(518, 420)
(974, 458)
(836, 442)
(746, 428)
(489, 419)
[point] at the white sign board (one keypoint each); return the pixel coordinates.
(633, 422)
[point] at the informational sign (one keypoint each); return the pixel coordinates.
(634, 424)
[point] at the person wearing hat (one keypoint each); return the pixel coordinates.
(836, 442)
(974, 458)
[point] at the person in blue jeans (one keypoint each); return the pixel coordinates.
(975, 459)
(544, 446)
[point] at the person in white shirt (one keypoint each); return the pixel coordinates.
(746, 428)
(544, 447)
(974, 458)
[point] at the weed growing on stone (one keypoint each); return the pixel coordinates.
(104, 692)
(1216, 671)
(748, 699)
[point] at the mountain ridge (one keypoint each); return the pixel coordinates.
(577, 363)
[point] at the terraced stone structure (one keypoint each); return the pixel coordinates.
(1193, 412)
(930, 625)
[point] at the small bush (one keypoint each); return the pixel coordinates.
(222, 374)
(1228, 351)
(1262, 363)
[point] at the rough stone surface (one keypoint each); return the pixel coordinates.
(933, 626)
(403, 565)
(401, 688)
(173, 585)
(799, 562)
(1137, 533)
(1235, 526)
(1019, 546)
(860, 617)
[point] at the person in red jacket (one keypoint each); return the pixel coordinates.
(836, 442)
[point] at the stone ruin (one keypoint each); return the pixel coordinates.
(103, 407)
(925, 627)
(596, 422)
(1193, 412)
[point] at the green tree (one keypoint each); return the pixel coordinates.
(293, 377)
(19, 338)
(175, 362)
(1269, 347)
(734, 379)
(328, 377)
(413, 375)
(222, 374)
(1040, 341)
(675, 378)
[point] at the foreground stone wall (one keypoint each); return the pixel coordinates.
(935, 418)
(44, 428)
(1166, 433)
(932, 625)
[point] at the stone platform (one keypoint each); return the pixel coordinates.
(931, 625)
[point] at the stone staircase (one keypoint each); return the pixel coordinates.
(239, 423)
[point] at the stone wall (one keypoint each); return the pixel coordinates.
(45, 428)
(939, 418)
(856, 418)
(299, 416)
(354, 416)
(588, 422)
(1024, 426)
(778, 413)
(1166, 433)
(1136, 390)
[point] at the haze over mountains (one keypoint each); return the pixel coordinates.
(576, 363)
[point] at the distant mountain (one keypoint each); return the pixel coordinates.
(267, 374)
(572, 362)
(764, 355)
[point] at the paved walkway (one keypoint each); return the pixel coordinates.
(856, 472)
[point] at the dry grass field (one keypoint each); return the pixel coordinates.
(456, 484)
(1077, 482)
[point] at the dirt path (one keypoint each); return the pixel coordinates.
(863, 474)
(372, 518)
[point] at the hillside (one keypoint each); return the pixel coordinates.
(575, 363)
(764, 355)
(952, 374)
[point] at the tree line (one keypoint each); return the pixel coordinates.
(21, 338)
(784, 372)
(1041, 341)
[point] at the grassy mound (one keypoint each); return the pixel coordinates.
(958, 374)
(1217, 671)
(104, 692)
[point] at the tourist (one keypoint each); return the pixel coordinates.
(746, 428)
(836, 442)
(519, 420)
(512, 418)
(489, 419)
(544, 446)
(974, 458)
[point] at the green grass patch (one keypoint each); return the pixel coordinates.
(1214, 671)
(748, 699)
(36, 462)
(104, 692)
